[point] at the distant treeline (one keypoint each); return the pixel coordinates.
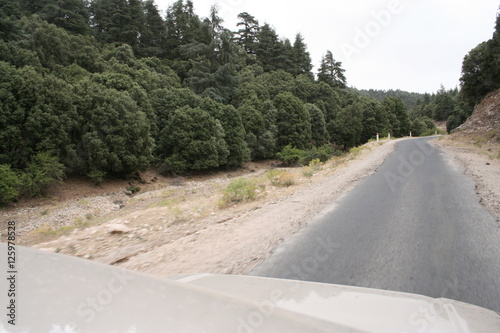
(107, 87)
(409, 98)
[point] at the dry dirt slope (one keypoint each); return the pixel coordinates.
(484, 123)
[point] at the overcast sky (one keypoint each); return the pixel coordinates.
(412, 45)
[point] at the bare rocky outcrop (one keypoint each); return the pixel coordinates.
(484, 121)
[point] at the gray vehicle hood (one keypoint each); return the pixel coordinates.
(57, 293)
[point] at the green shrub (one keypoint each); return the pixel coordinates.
(323, 153)
(133, 189)
(433, 131)
(286, 179)
(9, 184)
(355, 150)
(291, 155)
(239, 190)
(97, 176)
(44, 170)
(273, 176)
(280, 177)
(308, 172)
(315, 164)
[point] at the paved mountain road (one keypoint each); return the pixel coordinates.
(416, 226)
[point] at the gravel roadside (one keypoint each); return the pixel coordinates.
(482, 164)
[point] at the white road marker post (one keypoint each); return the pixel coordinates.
(378, 137)
(389, 136)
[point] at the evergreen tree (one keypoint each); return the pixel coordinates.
(319, 134)
(331, 72)
(109, 17)
(247, 35)
(374, 120)
(192, 140)
(268, 49)
(285, 59)
(397, 114)
(37, 114)
(481, 69)
(444, 105)
(183, 28)
(154, 33)
(10, 13)
(213, 73)
(135, 29)
(259, 120)
(276, 82)
(301, 57)
(71, 15)
(347, 128)
(293, 121)
(113, 135)
(234, 131)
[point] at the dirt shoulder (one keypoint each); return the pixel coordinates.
(178, 226)
(481, 160)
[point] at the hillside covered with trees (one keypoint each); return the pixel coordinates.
(104, 88)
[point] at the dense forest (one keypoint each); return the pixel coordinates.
(104, 88)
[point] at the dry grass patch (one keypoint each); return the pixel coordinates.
(239, 190)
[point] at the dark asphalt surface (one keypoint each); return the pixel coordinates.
(416, 226)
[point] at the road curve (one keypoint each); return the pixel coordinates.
(416, 226)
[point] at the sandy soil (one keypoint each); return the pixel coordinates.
(482, 164)
(178, 225)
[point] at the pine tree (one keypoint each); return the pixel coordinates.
(301, 57)
(444, 105)
(109, 18)
(397, 115)
(247, 35)
(71, 15)
(284, 61)
(269, 48)
(213, 72)
(183, 28)
(135, 29)
(331, 72)
(154, 32)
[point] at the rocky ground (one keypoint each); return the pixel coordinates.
(482, 164)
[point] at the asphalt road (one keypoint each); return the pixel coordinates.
(416, 226)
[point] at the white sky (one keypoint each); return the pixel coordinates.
(412, 45)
